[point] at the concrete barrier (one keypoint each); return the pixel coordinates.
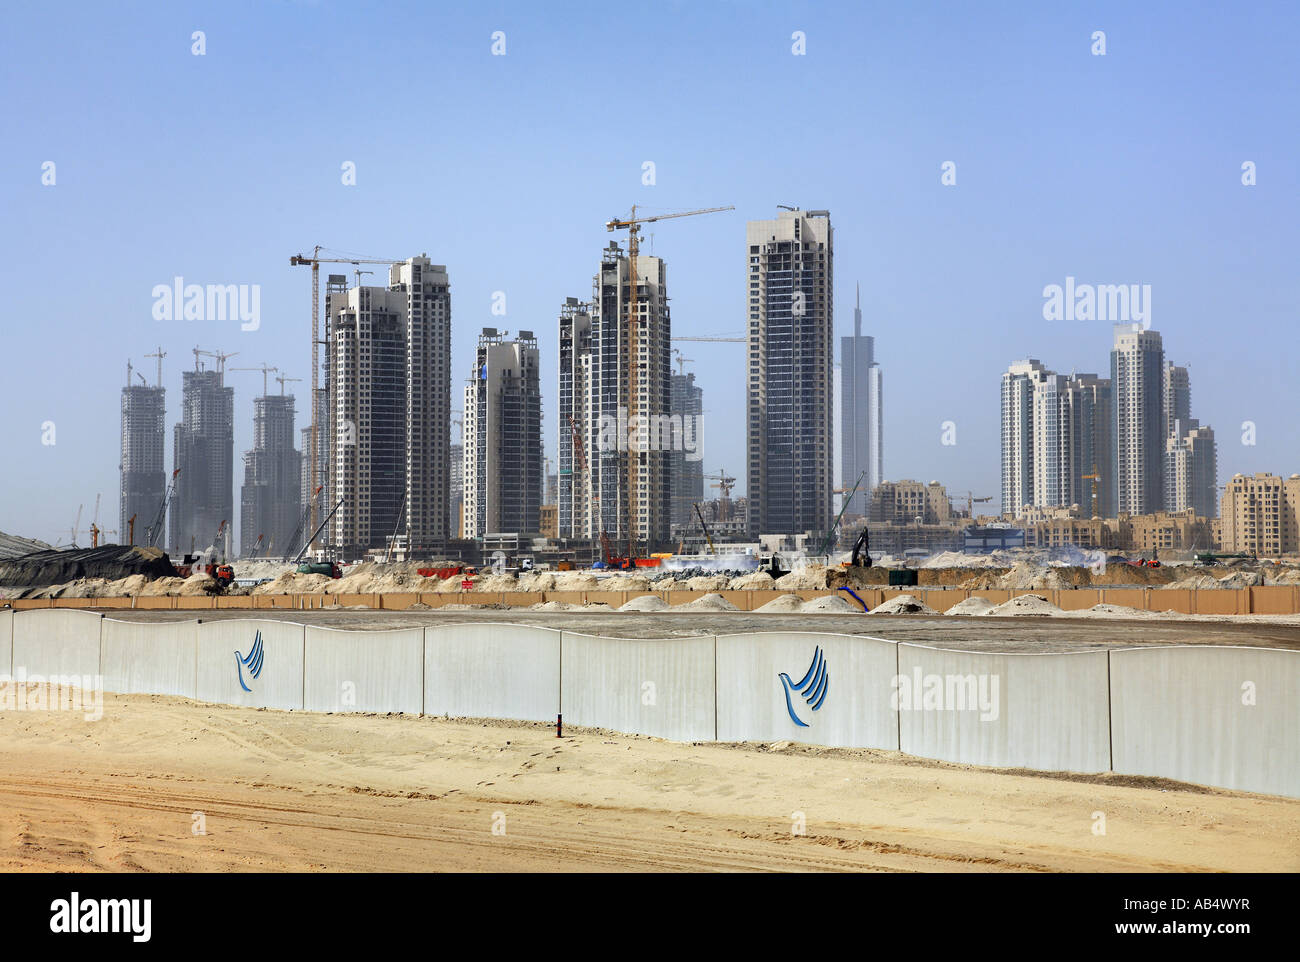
(492, 671)
(1006, 711)
(1183, 713)
(56, 642)
(230, 673)
(661, 687)
(379, 671)
(7, 642)
(149, 658)
(855, 712)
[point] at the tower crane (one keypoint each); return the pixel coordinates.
(314, 262)
(265, 368)
(281, 380)
(160, 354)
(632, 225)
(682, 361)
(1094, 477)
(724, 485)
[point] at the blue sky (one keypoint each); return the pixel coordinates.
(1123, 168)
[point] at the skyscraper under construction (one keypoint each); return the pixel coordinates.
(204, 452)
(143, 467)
(270, 502)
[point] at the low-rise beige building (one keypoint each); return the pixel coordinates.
(903, 502)
(1261, 514)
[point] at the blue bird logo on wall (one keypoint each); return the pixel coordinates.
(811, 689)
(252, 661)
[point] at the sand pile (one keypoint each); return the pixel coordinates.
(1024, 605)
(982, 582)
(903, 605)
(536, 581)
(974, 605)
(709, 602)
(1241, 579)
(496, 582)
(1114, 611)
(810, 576)
(576, 581)
(554, 606)
(754, 581)
(1027, 574)
(1195, 582)
(1283, 576)
(708, 583)
(292, 583)
(785, 603)
(162, 587)
(630, 582)
(829, 604)
(645, 603)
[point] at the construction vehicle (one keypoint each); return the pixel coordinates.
(830, 535)
(861, 557)
(330, 569)
(631, 323)
(1213, 557)
(153, 533)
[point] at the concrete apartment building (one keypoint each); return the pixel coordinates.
(910, 502)
(503, 461)
(1137, 373)
(790, 373)
(143, 468)
(686, 468)
(593, 403)
(271, 498)
(1261, 514)
(389, 409)
(861, 420)
(204, 452)
(1191, 469)
(1055, 429)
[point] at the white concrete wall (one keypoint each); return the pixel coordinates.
(56, 642)
(662, 687)
(379, 671)
(1051, 710)
(492, 671)
(278, 685)
(6, 642)
(149, 658)
(854, 713)
(1181, 713)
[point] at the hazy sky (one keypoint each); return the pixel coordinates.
(1122, 168)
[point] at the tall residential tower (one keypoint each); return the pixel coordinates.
(789, 441)
(502, 473)
(143, 467)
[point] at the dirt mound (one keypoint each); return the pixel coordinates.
(1022, 605)
(754, 581)
(809, 577)
(110, 563)
(629, 582)
(828, 604)
(554, 606)
(292, 583)
(974, 605)
(576, 581)
(1114, 611)
(536, 581)
(708, 583)
(1241, 579)
(709, 602)
(903, 605)
(645, 603)
(785, 603)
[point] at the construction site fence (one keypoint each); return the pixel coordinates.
(1266, 600)
(1211, 715)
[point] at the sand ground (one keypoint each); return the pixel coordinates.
(301, 791)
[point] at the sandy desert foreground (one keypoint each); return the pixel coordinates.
(297, 791)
